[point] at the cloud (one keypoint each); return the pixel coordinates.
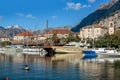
(1, 17)
(86, 6)
(30, 16)
(73, 6)
(76, 6)
(91, 1)
(54, 17)
(20, 14)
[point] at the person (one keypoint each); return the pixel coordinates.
(26, 67)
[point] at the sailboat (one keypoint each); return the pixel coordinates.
(34, 50)
(90, 53)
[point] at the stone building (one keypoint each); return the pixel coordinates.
(61, 33)
(92, 31)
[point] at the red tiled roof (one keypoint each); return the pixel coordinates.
(24, 34)
(5, 36)
(59, 31)
(95, 26)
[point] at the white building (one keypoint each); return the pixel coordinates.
(92, 31)
(23, 36)
(61, 33)
(5, 38)
(39, 37)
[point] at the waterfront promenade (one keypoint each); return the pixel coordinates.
(65, 53)
(65, 49)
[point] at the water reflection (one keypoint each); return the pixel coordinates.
(96, 71)
(46, 69)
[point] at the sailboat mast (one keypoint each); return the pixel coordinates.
(36, 35)
(27, 38)
(93, 37)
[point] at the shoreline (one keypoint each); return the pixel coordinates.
(67, 56)
(65, 53)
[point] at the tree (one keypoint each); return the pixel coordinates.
(63, 40)
(55, 39)
(73, 38)
(3, 44)
(108, 40)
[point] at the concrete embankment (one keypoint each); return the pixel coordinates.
(67, 49)
(65, 53)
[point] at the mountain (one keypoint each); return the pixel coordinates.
(11, 30)
(106, 6)
(103, 12)
(2, 30)
(1, 27)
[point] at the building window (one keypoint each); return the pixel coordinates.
(97, 31)
(88, 30)
(111, 24)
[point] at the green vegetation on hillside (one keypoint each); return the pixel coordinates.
(62, 41)
(107, 40)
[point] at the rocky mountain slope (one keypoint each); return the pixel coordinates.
(102, 15)
(11, 30)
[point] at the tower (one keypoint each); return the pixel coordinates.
(46, 26)
(111, 28)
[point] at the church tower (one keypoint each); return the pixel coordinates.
(111, 28)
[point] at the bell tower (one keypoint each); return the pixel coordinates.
(111, 28)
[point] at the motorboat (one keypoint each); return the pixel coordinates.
(89, 54)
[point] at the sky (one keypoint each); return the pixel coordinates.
(33, 14)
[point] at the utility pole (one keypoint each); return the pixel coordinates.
(47, 41)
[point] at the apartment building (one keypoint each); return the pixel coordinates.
(61, 33)
(5, 38)
(92, 31)
(23, 36)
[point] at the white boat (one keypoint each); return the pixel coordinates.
(2, 50)
(35, 51)
(105, 53)
(11, 50)
(105, 50)
(99, 50)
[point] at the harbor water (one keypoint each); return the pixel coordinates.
(46, 69)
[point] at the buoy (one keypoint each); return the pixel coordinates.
(6, 78)
(26, 67)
